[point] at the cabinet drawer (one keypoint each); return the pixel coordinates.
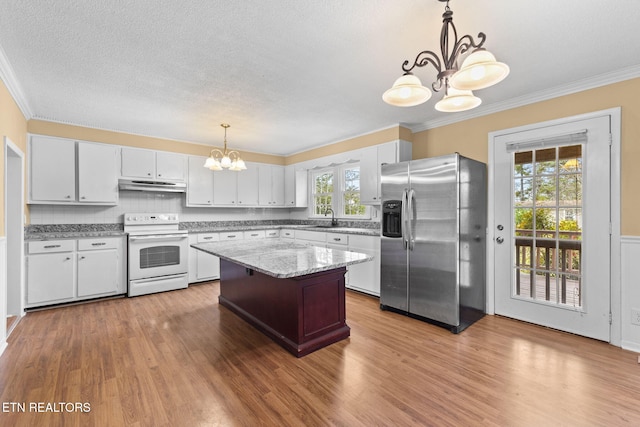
(51, 246)
(273, 233)
(254, 234)
(313, 236)
(208, 237)
(337, 239)
(287, 234)
(93, 244)
(233, 235)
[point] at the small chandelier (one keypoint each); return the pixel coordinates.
(478, 71)
(219, 160)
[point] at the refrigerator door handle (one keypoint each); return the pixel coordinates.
(403, 221)
(411, 198)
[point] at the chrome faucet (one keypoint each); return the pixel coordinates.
(334, 221)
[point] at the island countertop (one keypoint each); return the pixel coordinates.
(282, 258)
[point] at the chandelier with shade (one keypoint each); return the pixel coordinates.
(226, 159)
(478, 71)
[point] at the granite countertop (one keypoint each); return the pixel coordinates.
(81, 231)
(323, 229)
(72, 235)
(72, 231)
(281, 258)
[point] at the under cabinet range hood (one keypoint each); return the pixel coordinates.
(145, 185)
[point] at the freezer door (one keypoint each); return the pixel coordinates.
(433, 254)
(393, 255)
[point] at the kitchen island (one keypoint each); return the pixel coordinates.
(292, 292)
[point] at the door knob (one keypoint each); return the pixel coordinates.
(500, 227)
(499, 240)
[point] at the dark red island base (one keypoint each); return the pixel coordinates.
(302, 314)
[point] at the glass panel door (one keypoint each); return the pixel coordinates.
(547, 218)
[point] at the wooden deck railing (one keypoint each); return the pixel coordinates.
(569, 248)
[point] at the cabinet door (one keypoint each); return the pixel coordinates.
(200, 183)
(170, 166)
(50, 278)
(193, 259)
(208, 265)
(97, 173)
(277, 185)
(248, 186)
(52, 169)
(97, 273)
(138, 163)
(264, 194)
(369, 170)
(295, 187)
(225, 184)
(365, 277)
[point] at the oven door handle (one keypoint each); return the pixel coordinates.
(159, 237)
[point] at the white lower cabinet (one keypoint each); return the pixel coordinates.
(203, 266)
(61, 271)
(98, 268)
(50, 272)
(365, 277)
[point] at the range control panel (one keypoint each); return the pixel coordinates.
(150, 218)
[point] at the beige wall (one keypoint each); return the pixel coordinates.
(470, 137)
(13, 125)
(374, 138)
(118, 138)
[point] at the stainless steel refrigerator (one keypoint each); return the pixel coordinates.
(434, 220)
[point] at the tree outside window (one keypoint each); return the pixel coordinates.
(338, 188)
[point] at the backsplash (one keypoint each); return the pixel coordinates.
(133, 202)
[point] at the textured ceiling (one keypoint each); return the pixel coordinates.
(290, 75)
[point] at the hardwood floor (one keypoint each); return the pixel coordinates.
(180, 359)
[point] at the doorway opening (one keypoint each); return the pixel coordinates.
(14, 232)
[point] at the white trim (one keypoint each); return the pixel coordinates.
(616, 285)
(3, 294)
(13, 86)
(544, 95)
(16, 152)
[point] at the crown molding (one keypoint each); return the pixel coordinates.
(11, 82)
(556, 92)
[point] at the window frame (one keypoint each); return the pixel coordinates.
(338, 193)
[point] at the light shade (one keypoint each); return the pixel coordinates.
(457, 100)
(479, 70)
(407, 91)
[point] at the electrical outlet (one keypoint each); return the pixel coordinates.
(635, 316)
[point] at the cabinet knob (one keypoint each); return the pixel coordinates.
(82, 257)
(159, 174)
(67, 259)
(67, 197)
(148, 173)
(83, 197)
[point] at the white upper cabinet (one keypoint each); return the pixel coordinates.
(225, 185)
(271, 189)
(97, 173)
(248, 185)
(170, 166)
(200, 183)
(370, 161)
(150, 164)
(55, 171)
(138, 163)
(52, 170)
(295, 187)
